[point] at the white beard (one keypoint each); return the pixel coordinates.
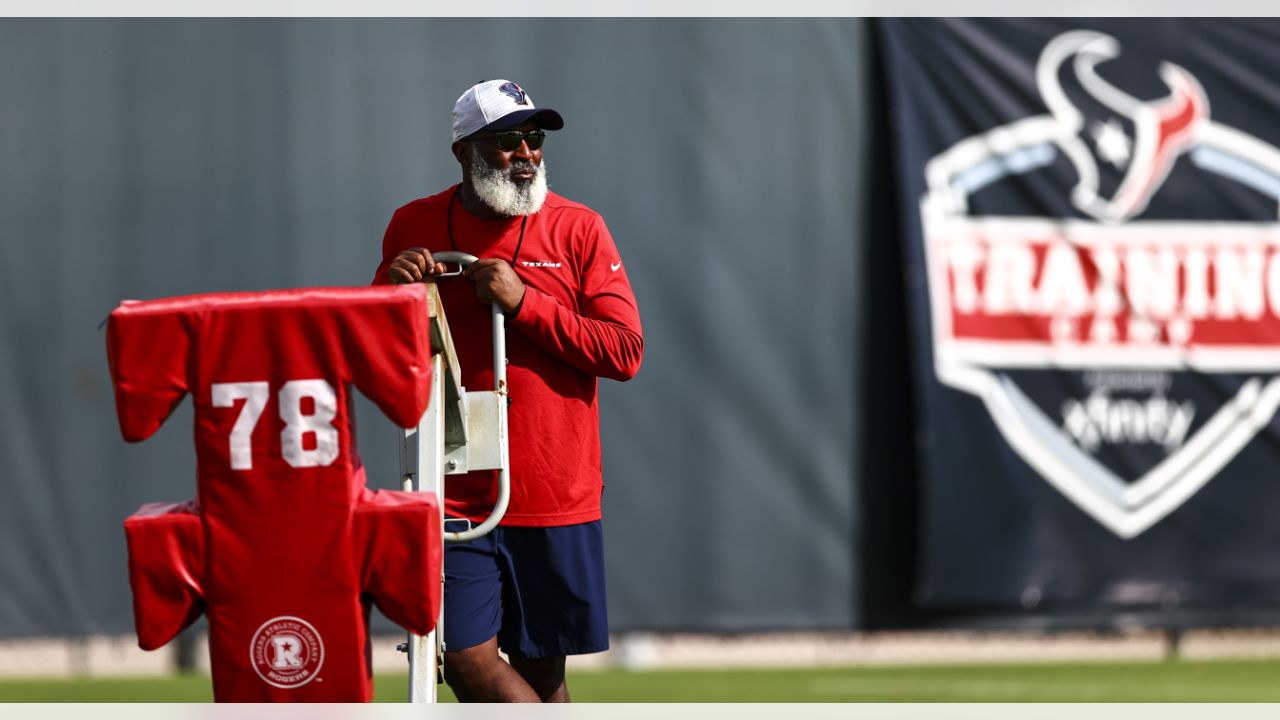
(503, 195)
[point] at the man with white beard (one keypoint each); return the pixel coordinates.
(534, 587)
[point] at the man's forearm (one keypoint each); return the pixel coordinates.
(609, 345)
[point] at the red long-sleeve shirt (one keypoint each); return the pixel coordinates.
(578, 321)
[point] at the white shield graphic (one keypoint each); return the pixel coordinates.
(1010, 293)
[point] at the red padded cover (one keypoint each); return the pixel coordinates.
(287, 546)
(166, 567)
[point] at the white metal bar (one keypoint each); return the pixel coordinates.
(504, 471)
(428, 476)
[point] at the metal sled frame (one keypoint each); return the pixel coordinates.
(461, 431)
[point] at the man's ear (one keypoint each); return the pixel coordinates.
(460, 152)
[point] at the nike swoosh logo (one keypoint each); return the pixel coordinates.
(614, 266)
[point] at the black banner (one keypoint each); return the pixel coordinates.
(1090, 209)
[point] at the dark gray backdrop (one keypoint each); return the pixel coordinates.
(145, 158)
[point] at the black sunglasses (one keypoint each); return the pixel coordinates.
(510, 140)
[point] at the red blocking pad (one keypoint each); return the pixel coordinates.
(166, 565)
(285, 548)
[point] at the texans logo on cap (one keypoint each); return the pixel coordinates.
(514, 91)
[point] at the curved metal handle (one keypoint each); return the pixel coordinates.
(461, 259)
(499, 386)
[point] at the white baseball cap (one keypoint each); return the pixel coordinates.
(498, 105)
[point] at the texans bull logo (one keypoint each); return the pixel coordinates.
(1162, 129)
(1114, 307)
(515, 92)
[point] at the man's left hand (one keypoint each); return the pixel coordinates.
(496, 282)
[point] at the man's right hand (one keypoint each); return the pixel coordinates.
(414, 265)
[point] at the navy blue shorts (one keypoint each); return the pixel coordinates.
(539, 590)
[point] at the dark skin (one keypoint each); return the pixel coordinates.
(479, 674)
(494, 278)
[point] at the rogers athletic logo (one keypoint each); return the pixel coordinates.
(286, 652)
(1125, 304)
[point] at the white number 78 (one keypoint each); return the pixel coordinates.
(296, 424)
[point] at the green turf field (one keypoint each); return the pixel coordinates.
(1240, 681)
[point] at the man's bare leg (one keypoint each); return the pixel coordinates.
(477, 674)
(545, 676)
